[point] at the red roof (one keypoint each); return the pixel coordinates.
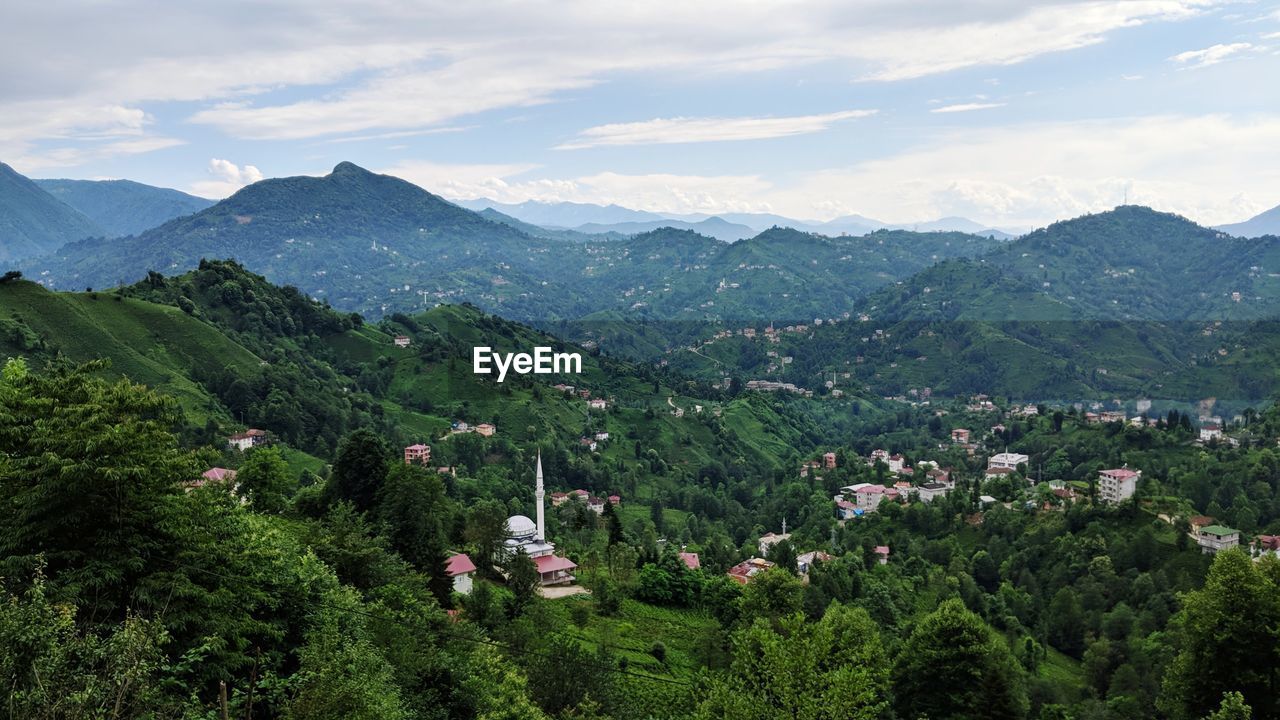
(1120, 473)
(218, 474)
(882, 550)
(419, 446)
(459, 564)
(691, 560)
(552, 563)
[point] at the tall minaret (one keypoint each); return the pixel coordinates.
(538, 493)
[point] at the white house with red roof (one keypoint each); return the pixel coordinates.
(417, 454)
(250, 438)
(882, 554)
(1210, 432)
(1117, 485)
(460, 568)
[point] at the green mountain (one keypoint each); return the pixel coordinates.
(33, 222)
(123, 207)
(376, 244)
(1128, 304)
(1264, 223)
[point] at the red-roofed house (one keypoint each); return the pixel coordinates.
(882, 554)
(402, 341)
(690, 560)
(960, 436)
(420, 454)
(1117, 485)
(558, 498)
(460, 568)
(829, 460)
(554, 570)
(744, 571)
(248, 439)
(615, 500)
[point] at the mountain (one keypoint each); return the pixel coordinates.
(361, 240)
(712, 227)
(563, 214)
(124, 207)
(1266, 223)
(376, 244)
(33, 222)
(1130, 303)
(548, 233)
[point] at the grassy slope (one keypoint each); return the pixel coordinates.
(153, 344)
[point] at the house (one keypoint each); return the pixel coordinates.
(805, 561)
(460, 568)
(485, 429)
(987, 501)
(1216, 538)
(960, 436)
(690, 560)
(1117, 485)
(1209, 433)
(868, 497)
(941, 476)
(615, 500)
(248, 439)
(882, 554)
(1007, 460)
(995, 473)
(588, 443)
(218, 475)
(1199, 521)
(402, 341)
(558, 498)
(931, 490)
(554, 570)
(1265, 545)
(419, 454)
(896, 462)
(829, 460)
(1112, 416)
(768, 540)
(598, 404)
(601, 436)
(596, 505)
(845, 510)
(447, 470)
(744, 571)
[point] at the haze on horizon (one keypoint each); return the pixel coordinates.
(1012, 114)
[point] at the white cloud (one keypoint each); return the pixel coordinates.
(1271, 36)
(459, 181)
(436, 61)
(1211, 55)
(696, 130)
(227, 178)
(966, 107)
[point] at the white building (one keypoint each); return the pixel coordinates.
(1117, 485)
(1007, 460)
(930, 490)
(1216, 538)
(1209, 433)
(768, 540)
(460, 568)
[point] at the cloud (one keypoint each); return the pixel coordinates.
(459, 181)
(1209, 56)
(434, 62)
(697, 130)
(966, 107)
(227, 178)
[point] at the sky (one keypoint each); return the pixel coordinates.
(1013, 113)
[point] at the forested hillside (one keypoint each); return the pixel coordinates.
(123, 207)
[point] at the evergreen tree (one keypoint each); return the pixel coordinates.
(360, 469)
(413, 508)
(954, 666)
(264, 480)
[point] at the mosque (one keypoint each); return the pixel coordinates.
(524, 534)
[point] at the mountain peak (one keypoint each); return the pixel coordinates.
(347, 167)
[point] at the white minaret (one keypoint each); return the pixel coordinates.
(538, 493)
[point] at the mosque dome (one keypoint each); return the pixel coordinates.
(520, 526)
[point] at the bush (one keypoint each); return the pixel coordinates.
(659, 652)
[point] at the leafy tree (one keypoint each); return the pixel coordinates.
(360, 468)
(522, 580)
(772, 594)
(486, 529)
(88, 471)
(413, 508)
(1233, 707)
(833, 669)
(1066, 622)
(264, 479)
(954, 666)
(1230, 641)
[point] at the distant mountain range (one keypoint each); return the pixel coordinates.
(123, 207)
(1266, 223)
(375, 244)
(592, 219)
(33, 222)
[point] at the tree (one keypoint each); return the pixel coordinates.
(413, 508)
(772, 594)
(1066, 622)
(954, 666)
(264, 480)
(1233, 707)
(88, 472)
(360, 469)
(829, 670)
(1230, 641)
(486, 529)
(522, 581)
(612, 524)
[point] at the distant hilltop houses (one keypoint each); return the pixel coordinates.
(460, 428)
